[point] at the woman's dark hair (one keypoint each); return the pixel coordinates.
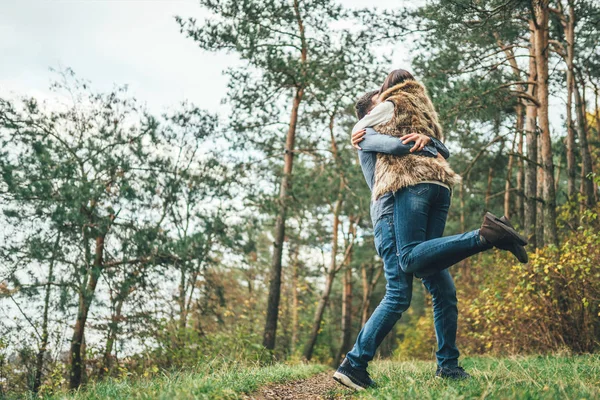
(396, 77)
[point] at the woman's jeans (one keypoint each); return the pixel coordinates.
(420, 213)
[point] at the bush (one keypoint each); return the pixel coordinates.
(547, 305)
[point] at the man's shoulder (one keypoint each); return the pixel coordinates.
(381, 108)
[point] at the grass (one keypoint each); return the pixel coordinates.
(533, 377)
(203, 383)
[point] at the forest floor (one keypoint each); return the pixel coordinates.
(531, 377)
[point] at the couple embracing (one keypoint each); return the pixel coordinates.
(404, 163)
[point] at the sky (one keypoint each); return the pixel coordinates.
(133, 42)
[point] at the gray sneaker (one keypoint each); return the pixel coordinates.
(456, 373)
(354, 378)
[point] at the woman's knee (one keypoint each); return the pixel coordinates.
(407, 263)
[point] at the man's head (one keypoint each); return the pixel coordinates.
(366, 103)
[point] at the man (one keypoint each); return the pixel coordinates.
(352, 372)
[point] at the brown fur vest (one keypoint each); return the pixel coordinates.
(413, 112)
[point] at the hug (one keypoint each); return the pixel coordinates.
(404, 161)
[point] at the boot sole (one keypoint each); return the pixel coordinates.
(520, 253)
(522, 240)
(344, 380)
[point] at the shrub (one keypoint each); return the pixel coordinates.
(549, 304)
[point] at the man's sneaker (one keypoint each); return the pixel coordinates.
(353, 378)
(451, 373)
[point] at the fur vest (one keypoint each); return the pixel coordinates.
(413, 112)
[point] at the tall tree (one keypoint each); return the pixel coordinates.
(531, 134)
(541, 13)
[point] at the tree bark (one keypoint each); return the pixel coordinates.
(509, 171)
(519, 111)
(331, 272)
(541, 11)
(529, 214)
(39, 364)
(295, 300)
(539, 224)
(587, 188)
(181, 299)
(569, 26)
(346, 313)
(111, 337)
(520, 197)
(86, 296)
(462, 206)
(275, 275)
(488, 191)
(369, 280)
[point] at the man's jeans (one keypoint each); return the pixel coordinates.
(429, 203)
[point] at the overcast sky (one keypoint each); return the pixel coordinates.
(134, 42)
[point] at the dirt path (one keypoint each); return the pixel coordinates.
(317, 387)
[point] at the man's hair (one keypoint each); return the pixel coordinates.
(365, 104)
(396, 77)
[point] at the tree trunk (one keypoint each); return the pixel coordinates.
(597, 119)
(181, 299)
(39, 364)
(557, 177)
(529, 214)
(509, 170)
(346, 314)
(316, 327)
(112, 336)
(295, 300)
(541, 10)
(286, 181)
(520, 197)
(286, 333)
(369, 281)
(462, 206)
(279, 236)
(488, 191)
(587, 184)
(571, 166)
(86, 296)
(519, 111)
(539, 224)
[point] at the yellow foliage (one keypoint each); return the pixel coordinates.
(549, 304)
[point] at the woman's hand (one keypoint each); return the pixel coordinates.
(419, 139)
(357, 137)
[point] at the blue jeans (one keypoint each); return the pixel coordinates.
(399, 283)
(420, 212)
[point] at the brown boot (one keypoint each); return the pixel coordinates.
(500, 233)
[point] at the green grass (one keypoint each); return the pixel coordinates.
(203, 383)
(534, 377)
